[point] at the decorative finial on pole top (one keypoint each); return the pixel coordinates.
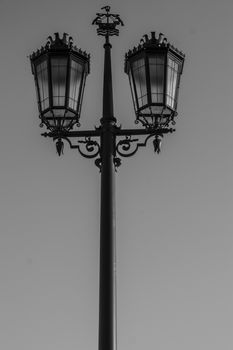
(107, 8)
(107, 22)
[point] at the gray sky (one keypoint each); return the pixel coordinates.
(174, 210)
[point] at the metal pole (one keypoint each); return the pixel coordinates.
(107, 286)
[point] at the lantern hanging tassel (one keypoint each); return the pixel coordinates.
(59, 146)
(157, 144)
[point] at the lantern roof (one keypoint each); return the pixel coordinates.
(57, 44)
(153, 42)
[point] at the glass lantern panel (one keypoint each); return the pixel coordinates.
(59, 73)
(156, 64)
(42, 78)
(172, 80)
(139, 74)
(132, 89)
(76, 72)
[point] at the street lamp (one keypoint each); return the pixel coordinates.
(154, 70)
(60, 71)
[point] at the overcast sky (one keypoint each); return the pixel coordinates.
(174, 210)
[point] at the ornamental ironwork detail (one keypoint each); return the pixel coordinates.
(153, 41)
(129, 146)
(91, 149)
(107, 22)
(59, 43)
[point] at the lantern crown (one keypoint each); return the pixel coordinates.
(60, 43)
(55, 44)
(152, 42)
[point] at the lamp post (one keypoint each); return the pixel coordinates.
(60, 70)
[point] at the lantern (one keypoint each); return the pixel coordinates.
(60, 71)
(154, 70)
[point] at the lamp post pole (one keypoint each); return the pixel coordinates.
(107, 280)
(60, 70)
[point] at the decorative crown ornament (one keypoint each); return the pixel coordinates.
(107, 22)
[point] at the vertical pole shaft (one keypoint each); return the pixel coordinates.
(107, 286)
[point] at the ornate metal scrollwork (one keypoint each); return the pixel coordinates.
(152, 122)
(124, 147)
(91, 150)
(128, 146)
(88, 142)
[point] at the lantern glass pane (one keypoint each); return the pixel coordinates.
(59, 73)
(156, 64)
(139, 74)
(76, 72)
(172, 80)
(132, 89)
(42, 78)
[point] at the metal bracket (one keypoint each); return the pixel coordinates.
(90, 148)
(129, 146)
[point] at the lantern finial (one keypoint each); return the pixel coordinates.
(157, 144)
(59, 146)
